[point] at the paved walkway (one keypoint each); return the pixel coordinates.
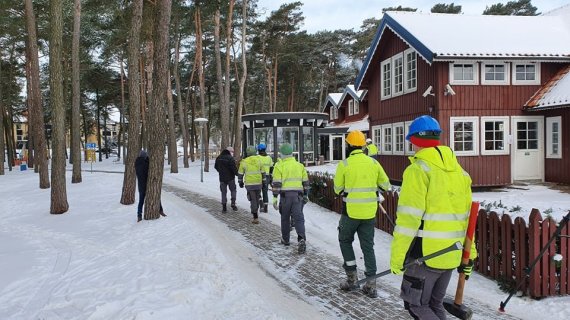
(318, 273)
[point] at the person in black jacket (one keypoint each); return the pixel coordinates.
(227, 170)
(141, 169)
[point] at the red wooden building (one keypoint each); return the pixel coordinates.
(476, 75)
(348, 110)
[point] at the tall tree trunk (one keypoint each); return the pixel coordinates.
(58, 189)
(156, 119)
(172, 145)
(182, 114)
(2, 128)
(227, 87)
(35, 99)
(121, 140)
(76, 96)
(191, 100)
(239, 107)
(221, 95)
(201, 80)
(134, 82)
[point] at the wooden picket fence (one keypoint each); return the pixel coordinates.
(506, 248)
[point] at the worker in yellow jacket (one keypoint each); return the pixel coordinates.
(433, 213)
(291, 182)
(251, 174)
(359, 179)
(267, 163)
(371, 149)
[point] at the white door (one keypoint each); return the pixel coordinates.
(528, 148)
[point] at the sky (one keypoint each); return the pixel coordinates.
(96, 262)
(344, 14)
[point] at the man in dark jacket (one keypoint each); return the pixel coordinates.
(227, 170)
(141, 169)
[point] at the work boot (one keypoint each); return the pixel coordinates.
(369, 288)
(162, 213)
(234, 206)
(302, 246)
(265, 207)
(255, 221)
(285, 243)
(350, 283)
(139, 217)
(224, 209)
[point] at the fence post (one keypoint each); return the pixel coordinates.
(495, 242)
(521, 251)
(534, 228)
(507, 237)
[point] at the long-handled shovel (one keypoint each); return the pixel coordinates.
(453, 247)
(456, 306)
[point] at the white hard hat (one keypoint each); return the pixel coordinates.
(368, 140)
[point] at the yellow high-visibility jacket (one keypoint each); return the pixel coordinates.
(436, 195)
(289, 175)
(251, 171)
(359, 178)
(267, 163)
(372, 150)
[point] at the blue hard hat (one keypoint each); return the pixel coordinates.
(424, 125)
(261, 147)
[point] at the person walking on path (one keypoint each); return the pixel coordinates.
(291, 182)
(433, 212)
(359, 179)
(252, 175)
(371, 149)
(267, 163)
(141, 170)
(227, 171)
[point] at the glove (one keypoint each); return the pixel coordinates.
(466, 268)
(305, 199)
(241, 184)
(275, 204)
(396, 270)
(380, 198)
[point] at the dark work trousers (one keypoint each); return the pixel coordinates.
(347, 227)
(224, 189)
(264, 193)
(254, 196)
(142, 195)
(423, 289)
(291, 205)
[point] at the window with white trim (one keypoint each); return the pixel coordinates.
(526, 73)
(411, 70)
(377, 137)
(398, 74)
(494, 132)
(495, 73)
(350, 107)
(356, 106)
(409, 147)
(387, 139)
(554, 137)
(463, 73)
(386, 80)
(464, 135)
(399, 138)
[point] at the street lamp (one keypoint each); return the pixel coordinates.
(201, 122)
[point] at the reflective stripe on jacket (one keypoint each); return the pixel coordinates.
(434, 204)
(267, 162)
(289, 175)
(251, 171)
(358, 178)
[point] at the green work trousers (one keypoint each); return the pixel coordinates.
(347, 227)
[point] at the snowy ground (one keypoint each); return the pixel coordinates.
(96, 262)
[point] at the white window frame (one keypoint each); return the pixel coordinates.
(409, 147)
(536, 80)
(383, 80)
(395, 128)
(398, 75)
(475, 80)
(506, 147)
(356, 107)
(387, 147)
(408, 70)
(331, 111)
(549, 142)
(475, 121)
(350, 107)
(377, 137)
(507, 74)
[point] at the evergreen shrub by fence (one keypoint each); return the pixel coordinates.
(506, 248)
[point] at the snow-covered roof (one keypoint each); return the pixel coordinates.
(356, 94)
(332, 98)
(362, 125)
(437, 36)
(554, 94)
